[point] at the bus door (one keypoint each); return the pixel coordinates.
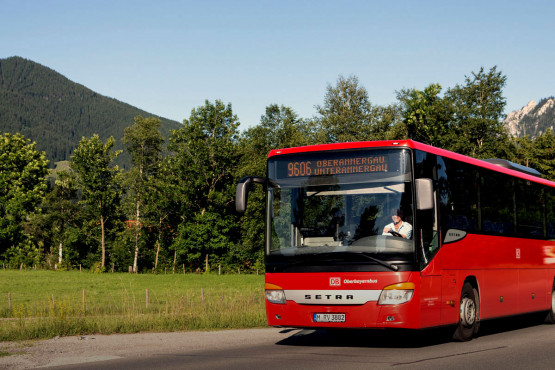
(427, 243)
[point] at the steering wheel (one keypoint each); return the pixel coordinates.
(395, 233)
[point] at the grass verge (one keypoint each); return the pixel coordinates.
(45, 304)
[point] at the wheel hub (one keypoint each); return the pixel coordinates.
(468, 312)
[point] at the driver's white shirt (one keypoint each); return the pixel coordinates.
(405, 229)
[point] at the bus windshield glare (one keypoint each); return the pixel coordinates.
(341, 202)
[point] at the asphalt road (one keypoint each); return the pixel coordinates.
(515, 343)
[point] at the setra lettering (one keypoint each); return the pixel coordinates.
(329, 297)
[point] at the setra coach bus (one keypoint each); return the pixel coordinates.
(398, 234)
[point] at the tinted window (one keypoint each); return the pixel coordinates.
(530, 200)
(461, 196)
(480, 200)
(496, 203)
(428, 237)
(550, 213)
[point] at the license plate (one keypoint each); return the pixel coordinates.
(329, 317)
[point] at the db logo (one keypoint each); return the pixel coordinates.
(335, 281)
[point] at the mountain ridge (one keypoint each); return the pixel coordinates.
(533, 119)
(55, 112)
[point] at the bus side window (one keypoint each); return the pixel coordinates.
(550, 213)
(458, 190)
(428, 238)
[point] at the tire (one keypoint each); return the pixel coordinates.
(469, 314)
(477, 323)
(550, 318)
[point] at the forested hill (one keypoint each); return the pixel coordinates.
(48, 108)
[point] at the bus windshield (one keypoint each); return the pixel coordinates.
(357, 202)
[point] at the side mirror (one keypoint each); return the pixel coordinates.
(242, 190)
(424, 194)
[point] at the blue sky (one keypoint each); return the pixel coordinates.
(167, 57)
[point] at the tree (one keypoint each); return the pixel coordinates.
(478, 115)
(280, 127)
(163, 205)
(144, 141)
(205, 160)
(545, 161)
(525, 151)
(22, 188)
(388, 124)
(347, 114)
(538, 153)
(426, 115)
(58, 219)
(99, 182)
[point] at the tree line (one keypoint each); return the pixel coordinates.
(174, 208)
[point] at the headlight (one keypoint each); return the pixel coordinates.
(396, 294)
(274, 294)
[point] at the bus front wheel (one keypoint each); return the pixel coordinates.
(550, 319)
(469, 314)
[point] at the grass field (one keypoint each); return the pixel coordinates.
(45, 304)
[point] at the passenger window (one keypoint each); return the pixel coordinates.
(529, 209)
(428, 240)
(497, 206)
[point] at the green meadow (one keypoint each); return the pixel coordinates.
(45, 304)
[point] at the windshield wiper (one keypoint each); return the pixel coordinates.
(378, 261)
(383, 263)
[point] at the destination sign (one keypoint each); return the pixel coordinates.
(339, 163)
(338, 166)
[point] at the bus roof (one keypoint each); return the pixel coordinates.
(495, 165)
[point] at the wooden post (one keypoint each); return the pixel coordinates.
(183, 269)
(79, 267)
(219, 269)
(9, 301)
(84, 302)
(146, 297)
(206, 268)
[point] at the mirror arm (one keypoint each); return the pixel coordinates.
(243, 187)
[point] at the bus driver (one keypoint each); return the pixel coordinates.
(398, 227)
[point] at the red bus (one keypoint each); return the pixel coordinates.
(398, 234)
